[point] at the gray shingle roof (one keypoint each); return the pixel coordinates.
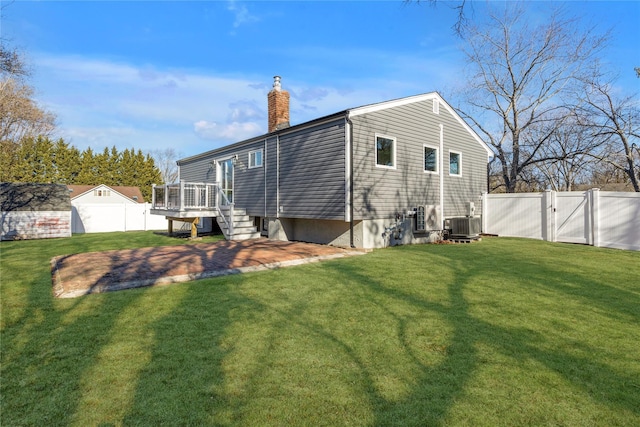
(34, 197)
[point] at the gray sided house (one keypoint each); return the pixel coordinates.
(34, 211)
(377, 175)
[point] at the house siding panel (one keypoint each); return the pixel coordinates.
(249, 184)
(271, 164)
(381, 192)
(460, 190)
(312, 172)
(198, 170)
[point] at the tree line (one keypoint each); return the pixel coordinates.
(43, 160)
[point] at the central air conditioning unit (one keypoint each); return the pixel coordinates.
(428, 218)
(465, 226)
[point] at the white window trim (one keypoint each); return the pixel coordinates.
(436, 106)
(261, 158)
(459, 163)
(375, 150)
(435, 172)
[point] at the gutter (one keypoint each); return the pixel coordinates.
(349, 177)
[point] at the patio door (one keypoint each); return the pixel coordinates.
(225, 167)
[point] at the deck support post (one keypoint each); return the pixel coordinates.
(193, 221)
(194, 228)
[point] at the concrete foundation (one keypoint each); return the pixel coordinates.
(366, 234)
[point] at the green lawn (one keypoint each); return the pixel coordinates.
(501, 332)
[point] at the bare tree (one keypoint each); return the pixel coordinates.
(461, 10)
(166, 162)
(20, 116)
(615, 119)
(573, 151)
(520, 74)
(11, 63)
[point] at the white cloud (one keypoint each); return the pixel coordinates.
(241, 13)
(104, 103)
(230, 131)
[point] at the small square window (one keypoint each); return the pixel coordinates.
(430, 159)
(455, 163)
(385, 151)
(255, 159)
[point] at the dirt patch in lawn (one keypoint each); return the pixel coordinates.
(95, 272)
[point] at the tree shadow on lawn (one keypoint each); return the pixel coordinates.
(611, 387)
(64, 359)
(248, 352)
(191, 337)
(439, 386)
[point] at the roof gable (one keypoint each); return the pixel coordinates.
(132, 193)
(420, 98)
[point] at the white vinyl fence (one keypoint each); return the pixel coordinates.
(99, 218)
(592, 217)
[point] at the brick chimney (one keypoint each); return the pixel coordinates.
(278, 102)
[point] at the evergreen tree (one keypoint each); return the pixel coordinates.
(88, 171)
(66, 162)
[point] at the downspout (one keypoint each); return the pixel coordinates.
(264, 161)
(349, 169)
(442, 172)
(278, 176)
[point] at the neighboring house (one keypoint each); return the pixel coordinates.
(99, 194)
(102, 208)
(377, 175)
(34, 211)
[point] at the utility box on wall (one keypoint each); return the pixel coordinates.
(427, 218)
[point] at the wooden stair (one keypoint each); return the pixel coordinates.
(243, 224)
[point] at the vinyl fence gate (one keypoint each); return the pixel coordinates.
(592, 217)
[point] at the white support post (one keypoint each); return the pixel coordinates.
(594, 194)
(485, 211)
(181, 195)
(166, 196)
(153, 195)
(549, 215)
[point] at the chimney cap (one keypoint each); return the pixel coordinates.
(276, 83)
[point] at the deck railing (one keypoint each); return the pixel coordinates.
(185, 196)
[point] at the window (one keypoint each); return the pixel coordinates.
(436, 106)
(101, 193)
(455, 163)
(430, 159)
(385, 152)
(255, 159)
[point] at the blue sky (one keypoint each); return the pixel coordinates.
(193, 75)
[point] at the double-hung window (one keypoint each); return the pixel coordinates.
(385, 152)
(430, 159)
(455, 163)
(255, 159)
